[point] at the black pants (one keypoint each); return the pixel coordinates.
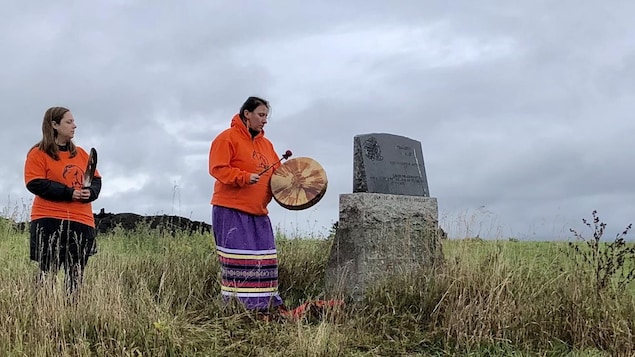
(57, 243)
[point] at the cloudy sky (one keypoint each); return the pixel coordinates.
(523, 108)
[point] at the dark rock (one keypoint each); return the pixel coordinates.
(107, 222)
(10, 225)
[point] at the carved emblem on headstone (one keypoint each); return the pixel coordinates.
(372, 149)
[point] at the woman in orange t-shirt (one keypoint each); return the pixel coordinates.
(62, 226)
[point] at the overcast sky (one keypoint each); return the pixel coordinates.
(524, 109)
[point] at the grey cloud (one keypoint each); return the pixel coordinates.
(523, 109)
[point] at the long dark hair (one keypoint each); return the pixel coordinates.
(47, 144)
(250, 105)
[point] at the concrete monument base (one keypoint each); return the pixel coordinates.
(379, 235)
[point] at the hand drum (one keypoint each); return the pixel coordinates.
(299, 183)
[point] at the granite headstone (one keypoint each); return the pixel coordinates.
(388, 163)
(389, 225)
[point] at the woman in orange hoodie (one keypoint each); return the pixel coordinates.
(62, 223)
(243, 233)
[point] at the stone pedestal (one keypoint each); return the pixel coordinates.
(379, 235)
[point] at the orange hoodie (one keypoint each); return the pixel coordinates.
(233, 157)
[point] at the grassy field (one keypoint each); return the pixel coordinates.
(152, 295)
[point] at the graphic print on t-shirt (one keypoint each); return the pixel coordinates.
(263, 163)
(74, 175)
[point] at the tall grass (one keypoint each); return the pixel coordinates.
(147, 294)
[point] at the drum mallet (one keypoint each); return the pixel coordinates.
(286, 155)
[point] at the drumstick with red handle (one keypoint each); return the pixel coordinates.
(286, 155)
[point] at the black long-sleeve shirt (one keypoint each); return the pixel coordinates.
(56, 191)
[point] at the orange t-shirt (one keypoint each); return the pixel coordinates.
(66, 170)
